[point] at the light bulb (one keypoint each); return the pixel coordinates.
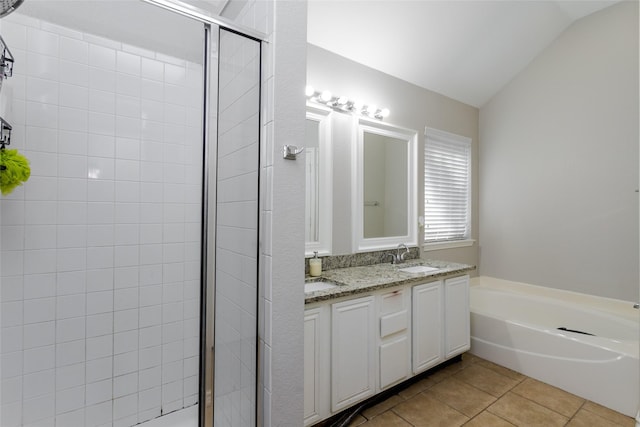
(326, 96)
(371, 110)
(342, 100)
(309, 91)
(385, 112)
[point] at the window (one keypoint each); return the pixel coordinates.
(447, 187)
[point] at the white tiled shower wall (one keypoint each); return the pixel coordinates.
(100, 248)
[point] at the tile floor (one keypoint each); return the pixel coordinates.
(477, 393)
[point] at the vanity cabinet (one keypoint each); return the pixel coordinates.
(394, 338)
(352, 349)
(440, 314)
(427, 326)
(456, 313)
(316, 364)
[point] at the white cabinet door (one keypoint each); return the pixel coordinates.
(427, 326)
(352, 352)
(394, 361)
(316, 364)
(457, 334)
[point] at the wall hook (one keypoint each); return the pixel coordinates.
(290, 152)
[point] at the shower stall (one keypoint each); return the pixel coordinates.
(129, 259)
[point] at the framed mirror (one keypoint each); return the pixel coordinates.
(319, 183)
(385, 186)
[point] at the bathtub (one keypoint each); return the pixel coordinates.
(516, 325)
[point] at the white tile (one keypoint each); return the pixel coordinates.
(70, 353)
(39, 310)
(128, 106)
(125, 320)
(71, 236)
(126, 255)
(42, 90)
(74, 73)
(99, 415)
(172, 372)
(125, 342)
(38, 409)
(152, 69)
(150, 373)
(99, 302)
(38, 359)
(98, 392)
(99, 324)
(42, 139)
(128, 63)
(74, 50)
(99, 279)
(12, 263)
(71, 282)
(39, 285)
(99, 369)
(100, 190)
(11, 364)
(173, 275)
(150, 275)
(127, 213)
(70, 306)
(13, 212)
(39, 335)
(102, 57)
(102, 124)
(128, 127)
(100, 213)
(70, 329)
(71, 418)
(125, 363)
(103, 80)
(42, 66)
(125, 299)
(151, 233)
(11, 339)
(37, 212)
(151, 213)
(150, 316)
(102, 101)
(11, 392)
(126, 277)
(72, 259)
(150, 89)
(99, 347)
(72, 142)
(12, 313)
(72, 213)
(152, 110)
(125, 406)
(73, 119)
(70, 376)
(150, 398)
(125, 385)
(127, 191)
(72, 189)
(100, 235)
(38, 384)
(127, 170)
(128, 84)
(152, 192)
(151, 151)
(171, 392)
(12, 238)
(150, 254)
(150, 295)
(74, 96)
(42, 42)
(101, 168)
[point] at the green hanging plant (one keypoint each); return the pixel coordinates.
(14, 170)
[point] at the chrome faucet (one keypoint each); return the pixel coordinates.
(401, 256)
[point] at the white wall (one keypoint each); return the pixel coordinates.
(411, 107)
(100, 248)
(559, 163)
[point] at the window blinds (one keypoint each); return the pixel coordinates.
(447, 187)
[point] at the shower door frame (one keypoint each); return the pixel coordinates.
(207, 289)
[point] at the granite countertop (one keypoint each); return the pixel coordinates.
(356, 280)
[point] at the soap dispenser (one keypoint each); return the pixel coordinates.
(315, 265)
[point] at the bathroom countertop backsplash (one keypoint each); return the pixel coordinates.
(355, 280)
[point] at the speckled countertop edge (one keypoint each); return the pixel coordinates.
(357, 280)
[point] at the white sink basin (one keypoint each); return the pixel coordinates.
(416, 269)
(318, 286)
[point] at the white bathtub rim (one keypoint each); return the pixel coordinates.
(606, 306)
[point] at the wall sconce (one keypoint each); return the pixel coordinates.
(344, 104)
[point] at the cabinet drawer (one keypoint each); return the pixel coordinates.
(392, 323)
(393, 302)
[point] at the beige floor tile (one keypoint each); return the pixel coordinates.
(486, 380)
(381, 407)
(585, 418)
(524, 412)
(416, 388)
(553, 398)
(609, 414)
(502, 370)
(423, 410)
(487, 419)
(358, 420)
(461, 396)
(387, 419)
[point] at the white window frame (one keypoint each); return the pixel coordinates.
(448, 138)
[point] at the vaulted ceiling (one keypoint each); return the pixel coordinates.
(464, 49)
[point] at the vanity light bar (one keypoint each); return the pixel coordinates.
(342, 103)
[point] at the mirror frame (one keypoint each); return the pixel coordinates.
(360, 243)
(322, 115)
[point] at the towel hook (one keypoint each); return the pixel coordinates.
(290, 152)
